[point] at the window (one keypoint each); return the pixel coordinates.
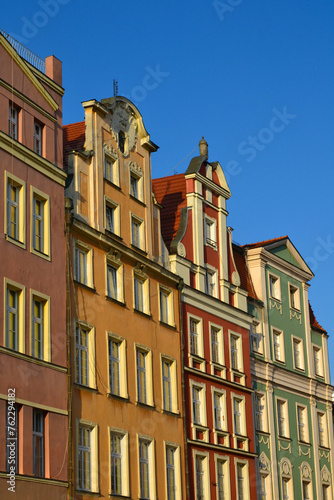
(274, 287)
(194, 340)
(298, 354)
(171, 475)
(15, 210)
(235, 352)
(263, 487)
(15, 316)
(294, 297)
(216, 345)
(222, 479)
(278, 345)
(256, 338)
(38, 443)
(317, 359)
(211, 283)
(40, 223)
(87, 452)
(40, 326)
(238, 416)
(146, 471)
(119, 468)
(114, 289)
(210, 231)
(202, 486)
(136, 181)
(285, 488)
(306, 488)
(84, 355)
(122, 142)
(166, 306)
(110, 165)
(83, 264)
(325, 492)
(112, 217)
(144, 376)
(134, 186)
(282, 418)
(198, 404)
(322, 429)
(117, 365)
(259, 412)
(302, 423)
(12, 436)
(241, 481)
(141, 292)
(218, 410)
(167, 385)
(137, 232)
(13, 122)
(38, 138)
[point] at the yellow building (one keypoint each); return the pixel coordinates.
(123, 320)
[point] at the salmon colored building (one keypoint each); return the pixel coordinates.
(220, 454)
(127, 411)
(33, 360)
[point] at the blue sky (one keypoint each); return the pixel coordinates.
(255, 78)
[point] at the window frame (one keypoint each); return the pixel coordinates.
(19, 238)
(176, 467)
(281, 358)
(38, 138)
(90, 360)
(44, 199)
(199, 336)
(242, 415)
(38, 437)
(274, 287)
(304, 424)
(294, 297)
(298, 341)
(139, 240)
(110, 155)
(124, 454)
(20, 315)
(210, 229)
(219, 343)
(93, 457)
(147, 398)
(88, 278)
(14, 122)
(204, 457)
(122, 366)
(238, 351)
(116, 216)
(244, 466)
(113, 261)
(141, 283)
(150, 461)
(316, 348)
(256, 338)
(260, 415)
(226, 475)
(322, 438)
(136, 174)
(166, 305)
(222, 408)
(173, 406)
(45, 323)
(282, 403)
(211, 281)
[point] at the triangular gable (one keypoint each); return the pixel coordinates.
(221, 179)
(284, 253)
(27, 71)
(288, 252)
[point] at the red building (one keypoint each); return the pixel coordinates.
(218, 396)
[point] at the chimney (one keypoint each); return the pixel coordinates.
(53, 69)
(203, 147)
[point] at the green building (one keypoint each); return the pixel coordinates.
(290, 372)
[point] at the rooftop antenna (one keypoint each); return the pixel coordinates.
(115, 83)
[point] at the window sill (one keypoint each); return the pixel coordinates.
(279, 361)
(259, 431)
(88, 492)
(112, 184)
(18, 243)
(171, 413)
(300, 370)
(115, 301)
(42, 255)
(85, 387)
(124, 399)
(167, 325)
(142, 313)
(276, 299)
(285, 438)
(113, 235)
(145, 405)
(295, 309)
(138, 200)
(86, 287)
(138, 249)
(304, 443)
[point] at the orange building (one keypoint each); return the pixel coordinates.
(127, 412)
(33, 381)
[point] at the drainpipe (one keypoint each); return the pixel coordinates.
(68, 221)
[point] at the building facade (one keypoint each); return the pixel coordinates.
(127, 410)
(290, 371)
(33, 360)
(220, 456)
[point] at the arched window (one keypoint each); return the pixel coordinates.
(121, 141)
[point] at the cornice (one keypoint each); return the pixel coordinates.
(32, 159)
(219, 380)
(221, 448)
(210, 184)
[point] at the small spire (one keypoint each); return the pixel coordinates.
(203, 147)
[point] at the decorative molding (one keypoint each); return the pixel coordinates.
(306, 471)
(325, 475)
(264, 462)
(181, 250)
(109, 150)
(265, 441)
(304, 453)
(275, 305)
(135, 168)
(294, 314)
(281, 447)
(114, 257)
(236, 278)
(140, 270)
(285, 467)
(324, 454)
(123, 118)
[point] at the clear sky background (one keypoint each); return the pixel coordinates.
(224, 70)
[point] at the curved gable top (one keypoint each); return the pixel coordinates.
(196, 164)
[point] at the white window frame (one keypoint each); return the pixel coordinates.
(242, 432)
(236, 352)
(298, 343)
(19, 204)
(14, 117)
(116, 291)
(110, 156)
(200, 402)
(137, 242)
(90, 350)
(274, 286)
(220, 408)
(93, 450)
(173, 469)
(211, 281)
(147, 370)
(171, 405)
(166, 303)
(42, 323)
(280, 345)
(322, 428)
(122, 389)
(151, 468)
(44, 218)
(318, 349)
(38, 138)
(210, 231)
(256, 336)
(217, 345)
(282, 403)
(136, 174)
(301, 411)
(286, 477)
(124, 459)
(204, 458)
(196, 339)
(88, 278)
(294, 297)
(225, 480)
(242, 465)
(19, 313)
(260, 413)
(116, 216)
(141, 292)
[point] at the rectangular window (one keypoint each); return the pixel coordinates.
(110, 218)
(144, 469)
(114, 366)
(82, 355)
(84, 458)
(317, 361)
(112, 282)
(241, 482)
(139, 294)
(164, 306)
(221, 481)
(13, 212)
(81, 265)
(210, 232)
(200, 478)
(13, 122)
(285, 488)
(134, 186)
(274, 286)
(259, 412)
(302, 425)
(38, 329)
(135, 225)
(38, 443)
(218, 410)
(12, 436)
(294, 297)
(263, 486)
(306, 490)
(235, 355)
(171, 472)
(37, 138)
(194, 336)
(256, 338)
(237, 412)
(298, 353)
(38, 225)
(278, 345)
(325, 491)
(142, 376)
(12, 312)
(167, 384)
(322, 429)
(116, 463)
(197, 405)
(211, 283)
(282, 418)
(109, 169)
(215, 345)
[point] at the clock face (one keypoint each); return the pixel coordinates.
(122, 119)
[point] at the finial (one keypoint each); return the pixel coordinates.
(203, 147)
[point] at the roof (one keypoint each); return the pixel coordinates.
(313, 322)
(73, 138)
(264, 243)
(245, 278)
(170, 192)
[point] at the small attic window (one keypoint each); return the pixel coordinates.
(121, 141)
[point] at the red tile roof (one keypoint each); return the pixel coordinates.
(73, 138)
(264, 243)
(245, 277)
(170, 192)
(314, 323)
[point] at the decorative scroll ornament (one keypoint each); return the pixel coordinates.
(264, 440)
(294, 314)
(281, 447)
(304, 453)
(306, 471)
(264, 463)
(324, 454)
(123, 118)
(276, 305)
(114, 257)
(140, 271)
(181, 250)
(109, 150)
(286, 467)
(134, 167)
(235, 278)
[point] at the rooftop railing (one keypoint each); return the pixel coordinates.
(25, 53)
